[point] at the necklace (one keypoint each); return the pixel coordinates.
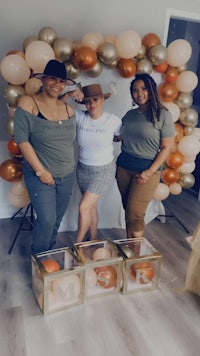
(54, 112)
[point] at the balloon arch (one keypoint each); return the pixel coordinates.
(127, 54)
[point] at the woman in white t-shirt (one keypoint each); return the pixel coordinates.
(96, 167)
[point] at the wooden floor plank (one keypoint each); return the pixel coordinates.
(162, 322)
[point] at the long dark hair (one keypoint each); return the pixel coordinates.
(155, 105)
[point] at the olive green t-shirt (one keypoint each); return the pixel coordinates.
(141, 138)
(53, 141)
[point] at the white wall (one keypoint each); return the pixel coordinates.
(73, 19)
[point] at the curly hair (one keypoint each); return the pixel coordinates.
(155, 105)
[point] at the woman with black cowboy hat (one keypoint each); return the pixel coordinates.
(96, 166)
(45, 129)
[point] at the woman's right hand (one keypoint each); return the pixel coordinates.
(45, 177)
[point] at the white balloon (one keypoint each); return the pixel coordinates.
(174, 109)
(162, 192)
(187, 167)
(189, 145)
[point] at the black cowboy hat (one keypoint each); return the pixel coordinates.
(55, 69)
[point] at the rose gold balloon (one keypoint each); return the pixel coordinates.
(85, 58)
(106, 276)
(11, 170)
(13, 147)
(179, 131)
(171, 74)
(51, 265)
(126, 68)
(167, 92)
(169, 175)
(142, 272)
(175, 159)
(150, 40)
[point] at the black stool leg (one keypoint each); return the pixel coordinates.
(20, 226)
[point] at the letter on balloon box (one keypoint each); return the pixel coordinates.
(142, 264)
(103, 267)
(57, 280)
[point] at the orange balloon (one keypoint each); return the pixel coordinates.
(11, 170)
(167, 92)
(142, 271)
(169, 175)
(13, 147)
(161, 68)
(106, 276)
(151, 40)
(51, 266)
(171, 74)
(126, 67)
(179, 131)
(85, 58)
(175, 159)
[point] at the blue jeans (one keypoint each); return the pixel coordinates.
(50, 203)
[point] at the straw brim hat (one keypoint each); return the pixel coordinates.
(55, 69)
(93, 91)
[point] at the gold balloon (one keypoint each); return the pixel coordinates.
(188, 130)
(141, 53)
(113, 64)
(72, 71)
(10, 126)
(47, 34)
(107, 53)
(96, 70)
(144, 65)
(63, 49)
(186, 180)
(77, 44)
(184, 100)
(157, 54)
(27, 41)
(182, 68)
(12, 94)
(189, 117)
